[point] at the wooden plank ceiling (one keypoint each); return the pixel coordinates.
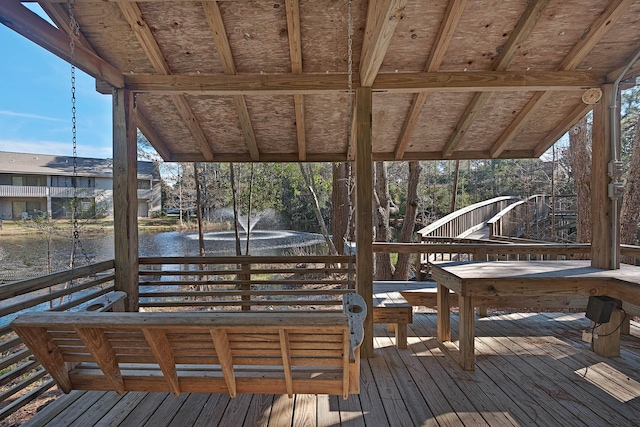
(258, 80)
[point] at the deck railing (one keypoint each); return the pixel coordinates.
(22, 377)
(246, 282)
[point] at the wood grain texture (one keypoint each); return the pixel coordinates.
(364, 216)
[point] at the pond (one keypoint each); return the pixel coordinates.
(26, 256)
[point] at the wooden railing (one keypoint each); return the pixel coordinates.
(466, 220)
(22, 378)
(246, 282)
(518, 219)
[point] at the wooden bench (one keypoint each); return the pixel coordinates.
(390, 307)
(212, 352)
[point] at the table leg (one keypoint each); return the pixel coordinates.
(467, 333)
(444, 314)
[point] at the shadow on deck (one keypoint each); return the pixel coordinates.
(532, 369)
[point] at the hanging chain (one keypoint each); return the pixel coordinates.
(74, 33)
(350, 94)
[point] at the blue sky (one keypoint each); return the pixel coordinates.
(35, 103)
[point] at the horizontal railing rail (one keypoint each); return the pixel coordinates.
(23, 379)
(246, 282)
(517, 219)
(457, 223)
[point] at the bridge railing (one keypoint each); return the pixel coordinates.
(467, 219)
(517, 219)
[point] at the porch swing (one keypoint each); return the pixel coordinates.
(212, 352)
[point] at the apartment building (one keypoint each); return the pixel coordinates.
(35, 184)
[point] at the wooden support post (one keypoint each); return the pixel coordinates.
(467, 333)
(603, 210)
(482, 311)
(625, 329)
(125, 197)
(444, 314)
(364, 217)
(607, 344)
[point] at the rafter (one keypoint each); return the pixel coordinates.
(283, 84)
(152, 136)
(580, 50)
(447, 28)
(561, 128)
(382, 18)
(295, 52)
(216, 24)
(28, 24)
(60, 16)
(132, 14)
(525, 25)
(532, 107)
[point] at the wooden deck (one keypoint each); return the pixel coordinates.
(532, 369)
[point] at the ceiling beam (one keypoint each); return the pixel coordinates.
(216, 24)
(445, 34)
(580, 50)
(295, 52)
(28, 24)
(284, 84)
(523, 28)
(561, 128)
(60, 16)
(382, 18)
(132, 14)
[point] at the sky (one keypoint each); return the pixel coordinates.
(35, 103)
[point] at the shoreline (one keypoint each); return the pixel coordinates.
(96, 227)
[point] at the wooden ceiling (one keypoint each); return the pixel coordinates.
(258, 80)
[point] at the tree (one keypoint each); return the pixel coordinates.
(580, 158)
(382, 203)
(406, 234)
(630, 210)
(307, 174)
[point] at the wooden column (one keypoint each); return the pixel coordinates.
(467, 333)
(603, 210)
(607, 344)
(444, 314)
(125, 197)
(364, 217)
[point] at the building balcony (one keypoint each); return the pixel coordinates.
(22, 191)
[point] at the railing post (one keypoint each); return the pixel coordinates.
(246, 276)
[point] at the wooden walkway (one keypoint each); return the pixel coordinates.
(532, 370)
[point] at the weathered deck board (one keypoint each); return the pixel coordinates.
(530, 371)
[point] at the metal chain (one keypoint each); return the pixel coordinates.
(350, 94)
(74, 33)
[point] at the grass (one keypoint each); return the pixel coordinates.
(102, 226)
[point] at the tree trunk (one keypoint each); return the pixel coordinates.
(236, 219)
(308, 179)
(341, 204)
(630, 211)
(249, 209)
(199, 209)
(580, 155)
(383, 269)
(406, 234)
(454, 191)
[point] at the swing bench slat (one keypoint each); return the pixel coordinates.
(284, 353)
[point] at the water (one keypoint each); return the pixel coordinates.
(26, 256)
